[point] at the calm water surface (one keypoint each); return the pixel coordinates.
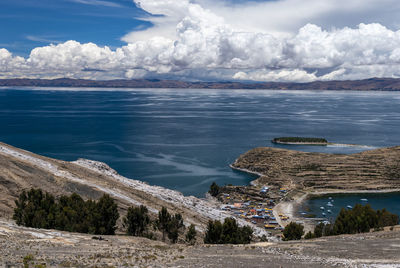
(390, 201)
(185, 139)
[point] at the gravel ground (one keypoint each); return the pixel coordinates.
(378, 249)
(62, 249)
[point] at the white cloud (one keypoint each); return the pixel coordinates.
(97, 3)
(206, 44)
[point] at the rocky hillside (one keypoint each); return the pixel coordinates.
(370, 170)
(20, 170)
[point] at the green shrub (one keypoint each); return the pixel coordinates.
(163, 220)
(293, 231)
(214, 189)
(136, 220)
(174, 226)
(191, 234)
(309, 235)
(227, 233)
(170, 225)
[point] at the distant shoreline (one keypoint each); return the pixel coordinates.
(372, 84)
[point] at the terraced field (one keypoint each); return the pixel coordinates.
(370, 170)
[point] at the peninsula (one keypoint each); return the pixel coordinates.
(373, 170)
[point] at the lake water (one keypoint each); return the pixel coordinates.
(185, 139)
(390, 201)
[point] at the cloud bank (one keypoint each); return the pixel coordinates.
(198, 40)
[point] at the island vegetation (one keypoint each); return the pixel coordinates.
(300, 140)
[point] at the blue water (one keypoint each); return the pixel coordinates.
(185, 139)
(390, 201)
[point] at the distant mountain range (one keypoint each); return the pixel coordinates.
(380, 84)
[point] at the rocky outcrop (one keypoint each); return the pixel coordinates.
(370, 170)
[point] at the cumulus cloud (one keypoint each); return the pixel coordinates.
(205, 44)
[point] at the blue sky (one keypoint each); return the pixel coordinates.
(208, 40)
(26, 24)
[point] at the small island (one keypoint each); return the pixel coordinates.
(300, 141)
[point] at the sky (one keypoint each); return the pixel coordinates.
(200, 40)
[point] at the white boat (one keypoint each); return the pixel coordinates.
(322, 208)
(329, 204)
(364, 199)
(323, 214)
(329, 211)
(349, 207)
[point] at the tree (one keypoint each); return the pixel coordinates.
(245, 235)
(319, 229)
(213, 233)
(293, 231)
(309, 235)
(227, 233)
(191, 234)
(163, 221)
(174, 225)
(385, 218)
(108, 215)
(136, 220)
(214, 189)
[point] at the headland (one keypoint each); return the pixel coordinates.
(301, 174)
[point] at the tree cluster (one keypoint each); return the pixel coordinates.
(39, 209)
(169, 224)
(137, 222)
(360, 219)
(227, 233)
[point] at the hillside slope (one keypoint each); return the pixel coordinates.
(370, 170)
(20, 170)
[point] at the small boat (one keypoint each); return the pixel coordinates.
(322, 208)
(330, 198)
(349, 207)
(329, 204)
(329, 211)
(323, 214)
(364, 199)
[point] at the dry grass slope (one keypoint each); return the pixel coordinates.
(370, 170)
